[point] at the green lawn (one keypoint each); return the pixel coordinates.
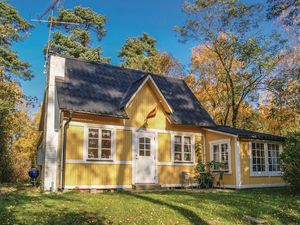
(20, 205)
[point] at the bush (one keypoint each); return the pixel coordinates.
(290, 160)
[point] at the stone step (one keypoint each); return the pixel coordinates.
(145, 187)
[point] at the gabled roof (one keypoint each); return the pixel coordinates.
(104, 89)
(136, 86)
(241, 133)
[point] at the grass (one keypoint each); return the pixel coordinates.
(22, 205)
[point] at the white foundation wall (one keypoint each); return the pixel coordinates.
(50, 162)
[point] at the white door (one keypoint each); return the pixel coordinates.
(145, 166)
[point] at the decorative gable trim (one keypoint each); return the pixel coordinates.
(168, 108)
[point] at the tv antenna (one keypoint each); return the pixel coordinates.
(51, 22)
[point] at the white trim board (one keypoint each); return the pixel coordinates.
(179, 185)
(120, 127)
(141, 86)
(245, 186)
(220, 132)
(109, 162)
(176, 164)
(98, 186)
(237, 162)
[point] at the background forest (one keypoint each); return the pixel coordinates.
(243, 76)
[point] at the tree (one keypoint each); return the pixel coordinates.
(279, 109)
(229, 30)
(141, 53)
(13, 28)
(24, 144)
(290, 160)
(211, 89)
(286, 10)
(74, 36)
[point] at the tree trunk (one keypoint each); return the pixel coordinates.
(235, 112)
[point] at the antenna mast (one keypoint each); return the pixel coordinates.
(51, 22)
(40, 19)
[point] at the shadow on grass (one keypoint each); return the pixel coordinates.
(22, 205)
(73, 218)
(188, 214)
(275, 205)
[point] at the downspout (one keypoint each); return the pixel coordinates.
(64, 150)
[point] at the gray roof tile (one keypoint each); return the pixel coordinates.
(248, 134)
(103, 89)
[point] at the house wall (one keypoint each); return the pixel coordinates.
(97, 175)
(119, 173)
(229, 178)
(80, 173)
(246, 179)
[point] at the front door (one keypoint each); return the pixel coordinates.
(145, 166)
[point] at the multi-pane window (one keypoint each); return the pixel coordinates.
(182, 148)
(265, 158)
(258, 157)
(144, 146)
(99, 143)
(221, 154)
(273, 157)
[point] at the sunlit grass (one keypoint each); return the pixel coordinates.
(22, 205)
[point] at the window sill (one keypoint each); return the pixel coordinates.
(266, 174)
(179, 162)
(100, 160)
(228, 172)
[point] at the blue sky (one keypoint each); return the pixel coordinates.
(124, 19)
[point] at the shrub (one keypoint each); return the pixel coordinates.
(290, 160)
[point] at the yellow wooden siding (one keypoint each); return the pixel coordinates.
(229, 179)
(245, 169)
(74, 147)
(164, 147)
(97, 174)
(172, 174)
(199, 148)
(141, 105)
(123, 145)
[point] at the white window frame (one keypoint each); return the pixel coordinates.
(113, 143)
(182, 147)
(220, 142)
(266, 172)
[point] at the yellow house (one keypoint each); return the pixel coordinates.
(106, 127)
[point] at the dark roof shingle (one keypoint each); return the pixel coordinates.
(102, 89)
(241, 133)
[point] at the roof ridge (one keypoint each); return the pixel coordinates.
(115, 66)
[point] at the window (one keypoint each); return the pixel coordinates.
(220, 153)
(144, 146)
(265, 158)
(99, 143)
(182, 148)
(258, 157)
(273, 157)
